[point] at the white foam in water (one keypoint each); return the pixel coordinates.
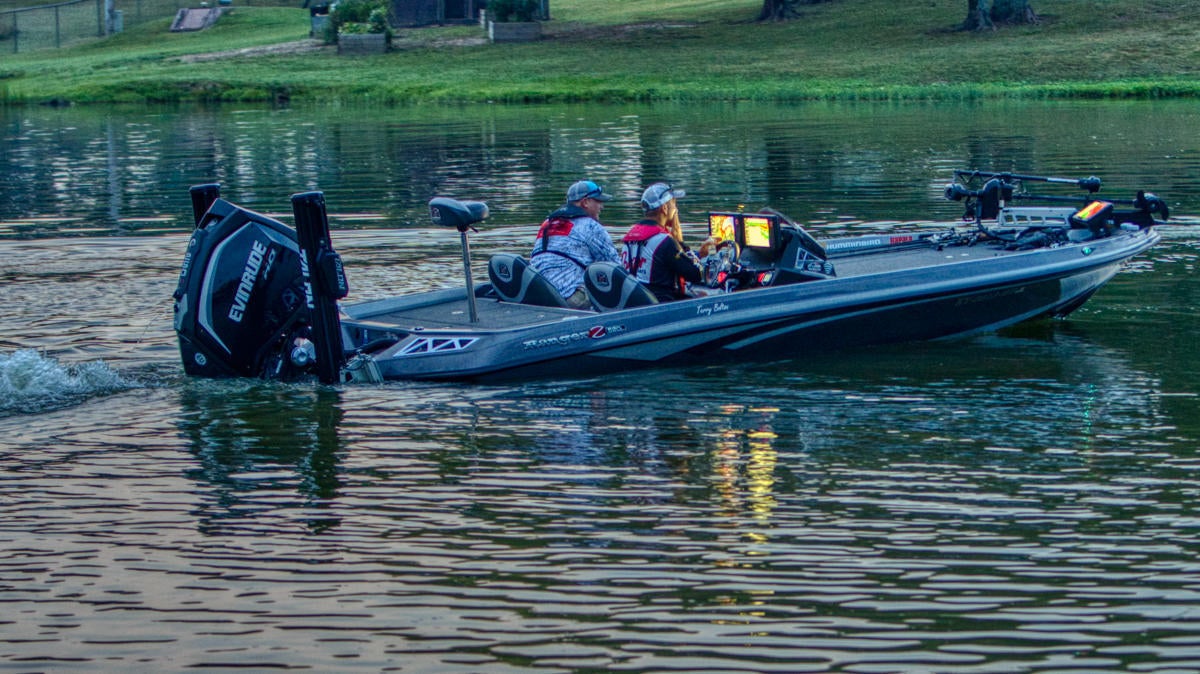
(31, 382)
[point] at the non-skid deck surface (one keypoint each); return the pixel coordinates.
(860, 265)
(493, 315)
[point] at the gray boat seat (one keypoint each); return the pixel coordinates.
(610, 287)
(516, 281)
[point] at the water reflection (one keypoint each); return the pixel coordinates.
(126, 170)
(1018, 502)
(257, 442)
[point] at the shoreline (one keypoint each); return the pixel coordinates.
(836, 52)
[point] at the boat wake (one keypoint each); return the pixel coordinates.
(31, 382)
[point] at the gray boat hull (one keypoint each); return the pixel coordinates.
(912, 296)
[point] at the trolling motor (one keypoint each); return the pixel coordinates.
(1091, 184)
(461, 215)
(1097, 216)
(984, 203)
(1002, 188)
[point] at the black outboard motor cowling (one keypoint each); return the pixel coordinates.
(240, 304)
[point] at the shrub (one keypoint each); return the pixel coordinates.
(503, 11)
(371, 14)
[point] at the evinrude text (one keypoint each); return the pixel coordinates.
(249, 276)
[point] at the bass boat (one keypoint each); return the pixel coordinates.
(257, 298)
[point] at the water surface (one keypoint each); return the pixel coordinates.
(1022, 501)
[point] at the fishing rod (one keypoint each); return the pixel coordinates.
(1090, 184)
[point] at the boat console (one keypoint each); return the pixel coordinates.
(762, 249)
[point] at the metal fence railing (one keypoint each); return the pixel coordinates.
(51, 25)
(25, 29)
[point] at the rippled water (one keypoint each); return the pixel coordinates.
(1023, 501)
(89, 171)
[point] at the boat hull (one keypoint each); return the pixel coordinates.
(940, 301)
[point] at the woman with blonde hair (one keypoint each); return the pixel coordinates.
(654, 251)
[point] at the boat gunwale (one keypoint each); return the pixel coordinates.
(828, 295)
(822, 289)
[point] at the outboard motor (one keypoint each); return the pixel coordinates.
(244, 303)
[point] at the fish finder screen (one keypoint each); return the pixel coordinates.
(758, 232)
(721, 226)
(1097, 210)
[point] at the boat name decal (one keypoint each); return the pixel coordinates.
(710, 309)
(253, 263)
(595, 332)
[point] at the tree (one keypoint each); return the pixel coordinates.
(987, 14)
(782, 10)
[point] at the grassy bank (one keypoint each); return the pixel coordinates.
(645, 50)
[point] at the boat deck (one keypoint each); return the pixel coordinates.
(861, 265)
(453, 313)
(492, 315)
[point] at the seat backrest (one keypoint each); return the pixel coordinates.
(516, 281)
(610, 287)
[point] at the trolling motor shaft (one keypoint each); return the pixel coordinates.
(1091, 184)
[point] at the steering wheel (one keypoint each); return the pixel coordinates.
(719, 263)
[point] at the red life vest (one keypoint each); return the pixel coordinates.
(556, 226)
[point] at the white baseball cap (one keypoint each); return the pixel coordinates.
(658, 194)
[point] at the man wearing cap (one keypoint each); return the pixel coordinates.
(570, 239)
(654, 252)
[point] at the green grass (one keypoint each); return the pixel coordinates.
(683, 50)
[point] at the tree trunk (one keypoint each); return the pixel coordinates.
(977, 16)
(782, 10)
(987, 14)
(1013, 12)
(773, 10)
